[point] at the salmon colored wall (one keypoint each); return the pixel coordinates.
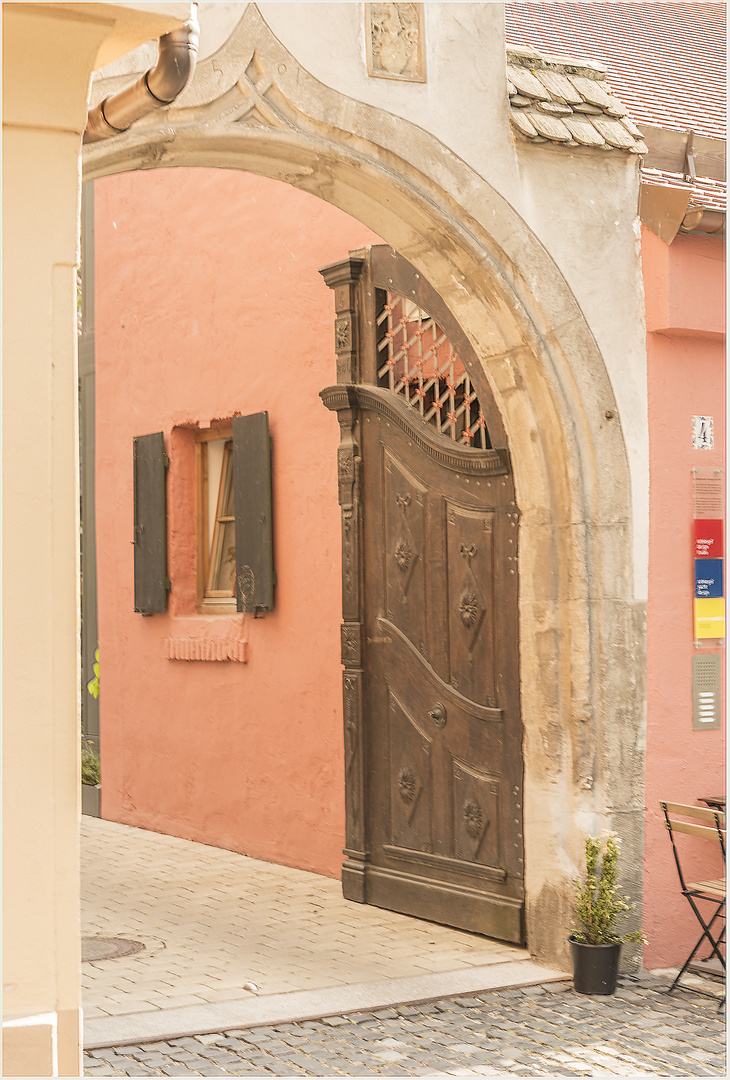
(685, 292)
(208, 302)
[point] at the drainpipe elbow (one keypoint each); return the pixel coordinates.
(160, 86)
(175, 67)
(700, 220)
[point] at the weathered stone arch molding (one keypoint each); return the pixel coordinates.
(253, 107)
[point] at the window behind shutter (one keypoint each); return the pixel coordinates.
(252, 494)
(150, 534)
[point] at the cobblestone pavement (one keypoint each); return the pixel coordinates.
(534, 1031)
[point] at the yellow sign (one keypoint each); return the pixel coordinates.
(709, 617)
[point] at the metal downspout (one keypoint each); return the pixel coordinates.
(158, 87)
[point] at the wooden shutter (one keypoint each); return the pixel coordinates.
(252, 495)
(150, 534)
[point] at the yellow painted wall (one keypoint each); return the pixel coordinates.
(49, 52)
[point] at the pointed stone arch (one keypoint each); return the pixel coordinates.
(252, 107)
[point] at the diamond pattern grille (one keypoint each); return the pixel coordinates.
(417, 361)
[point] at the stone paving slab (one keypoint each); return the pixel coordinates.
(214, 923)
(549, 1030)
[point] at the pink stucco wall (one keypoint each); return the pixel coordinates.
(208, 302)
(685, 292)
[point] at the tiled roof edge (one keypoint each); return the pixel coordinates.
(521, 56)
(566, 102)
(704, 193)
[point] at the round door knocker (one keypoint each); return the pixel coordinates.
(438, 714)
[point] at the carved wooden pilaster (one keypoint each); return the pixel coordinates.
(348, 470)
(342, 278)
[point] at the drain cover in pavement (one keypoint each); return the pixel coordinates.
(108, 948)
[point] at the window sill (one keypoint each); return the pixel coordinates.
(221, 607)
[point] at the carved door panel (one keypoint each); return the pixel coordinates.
(444, 770)
(432, 724)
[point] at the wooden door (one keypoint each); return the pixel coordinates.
(431, 695)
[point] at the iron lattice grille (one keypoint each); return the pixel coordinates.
(418, 362)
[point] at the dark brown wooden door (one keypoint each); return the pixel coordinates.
(432, 725)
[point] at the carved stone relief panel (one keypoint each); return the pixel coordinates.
(395, 41)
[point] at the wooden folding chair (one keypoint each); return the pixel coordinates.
(708, 825)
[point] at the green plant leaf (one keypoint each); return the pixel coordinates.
(93, 684)
(600, 908)
(90, 764)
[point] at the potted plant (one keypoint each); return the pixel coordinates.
(595, 943)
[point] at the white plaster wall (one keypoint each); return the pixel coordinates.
(582, 206)
(217, 21)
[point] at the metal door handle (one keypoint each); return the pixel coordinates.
(438, 714)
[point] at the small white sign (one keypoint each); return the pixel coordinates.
(703, 433)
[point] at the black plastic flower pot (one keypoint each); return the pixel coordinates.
(595, 967)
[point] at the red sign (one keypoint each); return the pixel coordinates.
(708, 538)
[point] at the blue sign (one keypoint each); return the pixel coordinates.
(708, 577)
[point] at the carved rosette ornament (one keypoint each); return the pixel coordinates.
(471, 605)
(473, 818)
(395, 41)
(407, 786)
(403, 556)
(468, 608)
(405, 552)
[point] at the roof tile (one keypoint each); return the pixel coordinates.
(559, 86)
(522, 122)
(615, 108)
(554, 108)
(583, 130)
(588, 109)
(550, 127)
(526, 83)
(591, 91)
(631, 127)
(613, 131)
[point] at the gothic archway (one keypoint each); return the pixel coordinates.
(253, 107)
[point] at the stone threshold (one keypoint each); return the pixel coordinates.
(134, 1028)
